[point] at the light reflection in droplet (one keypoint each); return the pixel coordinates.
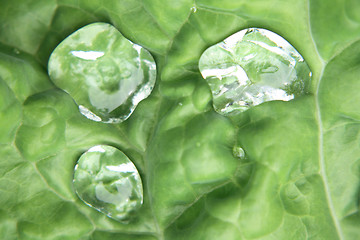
(87, 55)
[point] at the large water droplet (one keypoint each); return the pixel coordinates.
(108, 181)
(251, 67)
(105, 73)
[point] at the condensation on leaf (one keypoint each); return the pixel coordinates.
(106, 74)
(251, 67)
(108, 181)
(238, 152)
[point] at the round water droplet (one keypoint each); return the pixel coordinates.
(251, 67)
(238, 152)
(193, 9)
(105, 73)
(108, 181)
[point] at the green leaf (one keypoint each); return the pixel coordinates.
(301, 175)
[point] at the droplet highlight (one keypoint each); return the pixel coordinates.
(105, 179)
(106, 74)
(251, 67)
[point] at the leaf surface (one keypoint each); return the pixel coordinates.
(300, 179)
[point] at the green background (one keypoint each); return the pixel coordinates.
(301, 176)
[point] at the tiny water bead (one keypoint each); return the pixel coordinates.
(106, 74)
(238, 152)
(251, 67)
(108, 181)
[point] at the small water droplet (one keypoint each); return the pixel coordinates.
(238, 152)
(105, 179)
(251, 67)
(16, 51)
(105, 73)
(193, 9)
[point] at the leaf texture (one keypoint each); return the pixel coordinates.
(300, 179)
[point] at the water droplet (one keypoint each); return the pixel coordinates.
(105, 73)
(108, 181)
(251, 67)
(193, 9)
(238, 152)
